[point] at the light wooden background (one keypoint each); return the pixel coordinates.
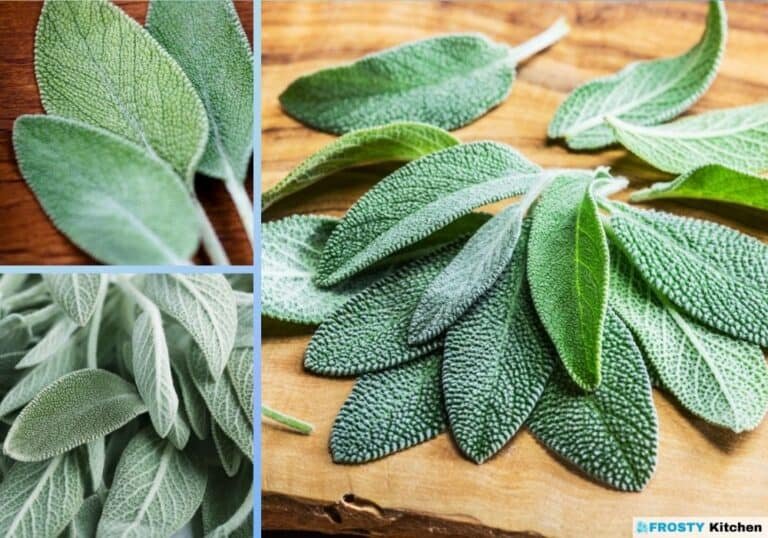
(27, 236)
(701, 471)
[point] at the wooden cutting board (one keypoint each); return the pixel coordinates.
(524, 490)
(27, 236)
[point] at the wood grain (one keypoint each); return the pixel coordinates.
(431, 489)
(28, 236)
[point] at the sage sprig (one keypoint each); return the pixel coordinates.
(122, 440)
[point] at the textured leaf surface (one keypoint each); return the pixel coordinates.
(96, 64)
(78, 408)
(711, 182)
(86, 520)
(180, 432)
(54, 344)
(721, 379)
(221, 398)
(40, 377)
(156, 490)
(204, 304)
(396, 142)
(240, 372)
(497, 360)
(209, 43)
(39, 499)
(152, 371)
(229, 455)
(370, 331)
(290, 254)
(389, 411)
(244, 334)
(717, 275)
(645, 93)
(76, 293)
(115, 201)
(420, 198)
(470, 274)
(611, 433)
(228, 505)
(446, 81)
(193, 403)
(568, 274)
(734, 137)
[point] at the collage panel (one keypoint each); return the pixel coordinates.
(126, 405)
(127, 132)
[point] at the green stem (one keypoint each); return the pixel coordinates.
(544, 40)
(211, 242)
(286, 420)
(41, 316)
(29, 297)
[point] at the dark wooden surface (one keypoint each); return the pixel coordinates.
(431, 489)
(27, 236)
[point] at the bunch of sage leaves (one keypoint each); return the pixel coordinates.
(128, 399)
(557, 314)
(132, 114)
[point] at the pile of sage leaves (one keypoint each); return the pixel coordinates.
(560, 312)
(132, 114)
(126, 405)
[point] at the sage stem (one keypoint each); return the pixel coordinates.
(286, 420)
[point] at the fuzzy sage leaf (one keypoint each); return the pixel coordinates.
(76, 293)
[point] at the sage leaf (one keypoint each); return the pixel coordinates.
(96, 454)
(222, 401)
(446, 81)
(194, 405)
(117, 77)
(364, 429)
(204, 304)
(370, 331)
(76, 293)
(77, 408)
(470, 274)
(156, 490)
(644, 93)
(209, 43)
(395, 142)
(41, 376)
(291, 250)
(733, 137)
(228, 505)
(230, 456)
(568, 274)
(86, 520)
(611, 434)
(240, 372)
(711, 182)
(27, 493)
(420, 198)
(53, 344)
(115, 201)
(713, 273)
(180, 432)
(719, 378)
(496, 362)
(152, 371)
(244, 334)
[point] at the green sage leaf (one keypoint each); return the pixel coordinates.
(230, 456)
(612, 433)
(27, 493)
(420, 198)
(204, 304)
(77, 408)
(117, 77)
(568, 274)
(733, 137)
(244, 334)
(496, 362)
(365, 428)
(711, 182)
(396, 142)
(54, 344)
(240, 372)
(370, 331)
(228, 505)
(97, 457)
(645, 93)
(152, 371)
(721, 379)
(156, 490)
(115, 201)
(193, 403)
(209, 43)
(86, 520)
(180, 432)
(713, 273)
(76, 293)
